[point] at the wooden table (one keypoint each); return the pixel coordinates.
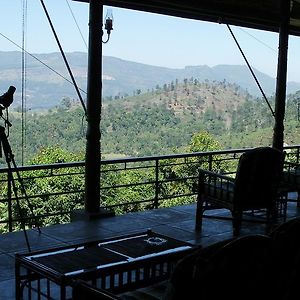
(118, 264)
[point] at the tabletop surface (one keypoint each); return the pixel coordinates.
(104, 254)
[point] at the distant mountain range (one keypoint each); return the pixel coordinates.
(45, 88)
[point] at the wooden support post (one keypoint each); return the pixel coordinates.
(94, 102)
(278, 133)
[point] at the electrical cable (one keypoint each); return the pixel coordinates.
(84, 41)
(74, 18)
(258, 40)
(250, 68)
(40, 61)
(24, 77)
(64, 57)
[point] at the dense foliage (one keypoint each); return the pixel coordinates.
(59, 191)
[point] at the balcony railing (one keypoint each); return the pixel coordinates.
(53, 191)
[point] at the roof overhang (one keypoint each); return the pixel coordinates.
(258, 14)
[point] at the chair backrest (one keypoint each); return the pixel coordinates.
(286, 256)
(257, 178)
(241, 268)
(286, 237)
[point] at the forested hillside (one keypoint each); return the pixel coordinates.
(178, 117)
(161, 121)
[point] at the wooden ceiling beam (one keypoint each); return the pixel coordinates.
(257, 14)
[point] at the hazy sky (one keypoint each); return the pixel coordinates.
(143, 37)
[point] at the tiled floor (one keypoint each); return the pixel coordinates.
(177, 222)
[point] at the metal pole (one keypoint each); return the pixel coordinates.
(94, 99)
(157, 187)
(9, 203)
(278, 133)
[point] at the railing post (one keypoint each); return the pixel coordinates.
(210, 159)
(9, 202)
(156, 185)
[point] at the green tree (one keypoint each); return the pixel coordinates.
(203, 142)
(181, 178)
(127, 190)
(66, 186)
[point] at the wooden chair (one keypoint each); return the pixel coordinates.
(286, 256)
(238, 269)
(254, 187)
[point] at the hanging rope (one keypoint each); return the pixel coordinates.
(24, 78)
(253, 74)
(64, 57)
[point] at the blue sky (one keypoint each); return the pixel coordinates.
(144, 37)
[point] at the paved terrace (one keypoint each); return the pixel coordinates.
(177, 222)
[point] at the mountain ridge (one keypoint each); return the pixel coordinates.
(45, 88)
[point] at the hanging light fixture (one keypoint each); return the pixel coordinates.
(108, 26)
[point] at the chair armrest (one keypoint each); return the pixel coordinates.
(214, 175)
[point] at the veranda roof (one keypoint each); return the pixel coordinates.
(259, 14)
